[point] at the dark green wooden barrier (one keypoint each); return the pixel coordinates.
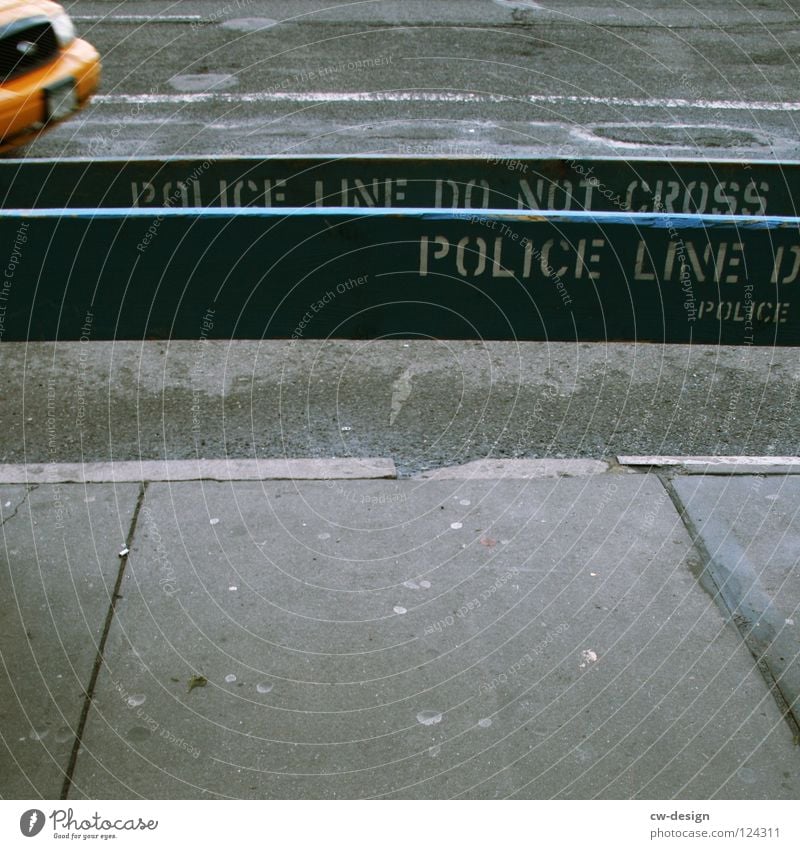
(372, 273)
(615, 185)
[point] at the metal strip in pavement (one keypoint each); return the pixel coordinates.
(420, 273)
(322, 469)
(492, 469)
(716, 465)
(703, 187)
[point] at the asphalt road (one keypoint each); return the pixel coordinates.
(469, 76)
(707, 78)
(424, 404)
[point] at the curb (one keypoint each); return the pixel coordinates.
(133, 471)
(711, 465)
(524, 469)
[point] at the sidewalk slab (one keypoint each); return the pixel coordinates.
(425, 639)
(751, 528)
(59, 562)
(762, 514)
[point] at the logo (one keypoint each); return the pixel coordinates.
(27, 48)
(31, 822)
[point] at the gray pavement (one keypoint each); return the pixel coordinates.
(540, 633)
(425, 404)
(59, 565)
(747, 529)
(476, 76)
(760, 515)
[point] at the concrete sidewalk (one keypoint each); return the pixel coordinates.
(504, 629)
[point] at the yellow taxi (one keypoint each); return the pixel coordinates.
(46, 73)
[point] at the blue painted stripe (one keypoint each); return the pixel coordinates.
(628, 162)
(634, 219)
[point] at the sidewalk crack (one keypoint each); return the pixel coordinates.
(745, 604)
(100, 656)
(24, 498)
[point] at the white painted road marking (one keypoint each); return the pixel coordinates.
(519, 5)
(440, 97)
(139, 19)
